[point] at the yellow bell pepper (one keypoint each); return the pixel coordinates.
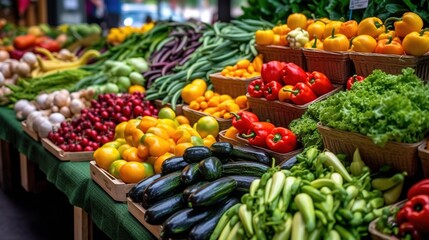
(315, 43)
(147, 122)
(181, 136)
(296, 20)
(160, 132)
(336, 42)
(157, 146)
(282, 29)
(209, 140)
(363, 43)
(372, 26)
(197, 141)
(179, 150)
(170, 130)
(409, 22)
(193, 90)
(316, 29)
(332, 26)
(190, 129)
(257, 62)
(264, 37)
(387, 35)
(416, 44)
(231, 132)
(169, 122)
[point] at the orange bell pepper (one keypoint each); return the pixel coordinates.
(336, 42)
(209, 140)
(160, 132)
(231, 132)
(147, 122)
(386, 34)
(387, 46)
(409, 22)
(284, 94)
(157, 146)
(296, 20)
(416, 44)
(372, 26)
(282, 29)
(329, 27)
(316, 29)
(363, 43)
(349, 28)
(181, 136)
(264, 37)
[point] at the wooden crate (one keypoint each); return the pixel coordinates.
(138, 212)
(365, 63)
(337, 66)
(282, 113)
(29, 131)
(400, 156)
(66, 156)
(283, 54)
(229, 85)
(116, 188)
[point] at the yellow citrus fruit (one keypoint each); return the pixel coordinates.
(166, 113)
(207, 125)
(104, 156)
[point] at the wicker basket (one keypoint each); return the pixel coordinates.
(365, 63)
(282, 113)
(424, 159)
(401, 156)
(337, 66)
(193, 117)
(375, 234)
(284, 54)
(158, 105)
(231, 86)
(279, 157)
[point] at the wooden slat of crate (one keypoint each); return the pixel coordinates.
(138, 212)
(66, 156)
(116, 188)
(30, 132)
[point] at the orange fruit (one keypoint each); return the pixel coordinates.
(115, 167)
(132, 172)
(158, 162)
(104, 156)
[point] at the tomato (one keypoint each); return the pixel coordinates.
(104, 156)
(166, 113)
(207, 125)
(115, 167)
(132, 172)
(158, 162)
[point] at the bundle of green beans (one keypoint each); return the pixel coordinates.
(30, 88)
(315, 199)
(223, 44)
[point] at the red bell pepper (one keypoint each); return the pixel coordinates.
(281, 140)
(353, 79)
(416, 212)
(256, 88)
(301, 94)
(272, 71)
(242, 120)
(271, 90)
(258, 133)
(293, 74)
(408, 229)
(421, 187)
(319, 83)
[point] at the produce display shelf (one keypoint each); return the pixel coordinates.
(284, 54)
(138, 212)
(29, 131)
(230, 85)
(282, 113)
(223, 138)
(193, 117)
(66, 156)
(116, 188)
(400, 156)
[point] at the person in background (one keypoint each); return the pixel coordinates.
(113, 8)
(95, 11)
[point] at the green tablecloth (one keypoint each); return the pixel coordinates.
(73, 178)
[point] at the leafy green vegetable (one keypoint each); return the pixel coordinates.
(384, 107)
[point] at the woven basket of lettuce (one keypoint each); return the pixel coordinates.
(386, 116)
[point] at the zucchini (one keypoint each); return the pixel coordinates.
(191, 174)
(211, 168)
(163, 209)
(136, 192)
(163, 187)
(203, 230)
(191, 189)
(182, 222)
(244, 168)
(251, 154)
(175, 163)
(212, 193)
(222, 150)
(196, 153)
(243, 182)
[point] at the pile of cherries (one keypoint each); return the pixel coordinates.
(95, 125)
